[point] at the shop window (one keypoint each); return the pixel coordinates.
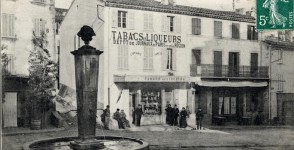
(148, 58)
(148, 22)
(235, 30)
(227, 106)
(39, 26)
(151, 102)
(196, 26)
(123, 57)
(8, 25)
(122, 19)
(252, 33)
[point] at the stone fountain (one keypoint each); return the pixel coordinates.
(86, 72)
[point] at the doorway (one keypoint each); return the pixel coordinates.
(10, 109)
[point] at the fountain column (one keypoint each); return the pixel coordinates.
(86, 73)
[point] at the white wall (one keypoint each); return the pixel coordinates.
(25, 11)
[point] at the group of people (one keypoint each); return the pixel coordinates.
(172, 115)
(119, 116)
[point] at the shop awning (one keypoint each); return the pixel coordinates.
(231, 84)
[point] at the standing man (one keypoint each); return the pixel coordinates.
(168, 111)
(138, 114)
(105, 117)
(175, 115)
(199, 117)
(117, 117)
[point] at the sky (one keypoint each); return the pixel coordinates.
(210, 4)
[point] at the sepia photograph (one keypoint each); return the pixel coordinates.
(147, 75)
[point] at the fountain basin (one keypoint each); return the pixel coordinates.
(110, 143)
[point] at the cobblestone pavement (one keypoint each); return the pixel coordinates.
(164, 137)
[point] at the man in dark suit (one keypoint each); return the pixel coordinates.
(138, 114)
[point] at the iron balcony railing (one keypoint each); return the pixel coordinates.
(211, 70)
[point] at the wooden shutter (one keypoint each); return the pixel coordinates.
(150, 60)
(11, 25)
(217, 28)
(217, 61)
(196, 26)
(249, 32)
(145, 19)
(151, 22)
(178, 24)
(145, 58)
(163, 58)
(254, 64)
(236, 31)
(119, 56)
(36, 27)
(131, 19)
(114, 18)
(42, 26)
(125, 60)
(163, 23)
(174, 59)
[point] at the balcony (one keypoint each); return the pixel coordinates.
(224, 71)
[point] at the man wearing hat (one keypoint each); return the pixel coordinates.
(199, 117)
(138, 115)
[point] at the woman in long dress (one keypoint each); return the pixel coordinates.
(124, 119)
(275, 17)
(183, 118)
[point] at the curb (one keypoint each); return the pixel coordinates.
(33, 131)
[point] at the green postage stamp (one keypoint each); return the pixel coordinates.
(274, 14)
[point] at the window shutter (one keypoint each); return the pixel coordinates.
(114, 18)
(126, 52)
(174, 59)
(235, 31)
(131, 19)
(42, 26)
(4, 25)
(119, 57)
(163, 58)
(145, 57)
(193, 25)
(145, 17)
(218, 28)
(178, 24)
(163, 23)
(198, 26)
(150, 58)
(151, 22)
(249, 32)
(37, 27)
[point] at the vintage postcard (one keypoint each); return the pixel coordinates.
(147, 74)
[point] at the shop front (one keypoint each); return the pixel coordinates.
(154, 93)
(231, 102)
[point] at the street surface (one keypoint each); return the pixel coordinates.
(165, 137)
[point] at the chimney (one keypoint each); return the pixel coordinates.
(168, 2)
(240, 11)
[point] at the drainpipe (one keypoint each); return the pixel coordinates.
(270, 84)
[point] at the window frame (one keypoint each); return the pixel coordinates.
(171, 23)
(123, 52)
(148, 58)
(122, 19)
(235, 28)
(218, 29)
(9, 31)
(196, 26)
(169, 61)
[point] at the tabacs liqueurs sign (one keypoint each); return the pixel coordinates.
(147, 39)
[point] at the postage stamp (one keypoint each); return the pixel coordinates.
(274, 14)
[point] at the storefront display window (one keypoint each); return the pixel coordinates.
(151, 102)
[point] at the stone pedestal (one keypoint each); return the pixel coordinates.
(89, 144)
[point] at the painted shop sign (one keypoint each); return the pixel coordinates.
(133, 78)
(147, 39)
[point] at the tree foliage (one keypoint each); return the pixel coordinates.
(42, 73)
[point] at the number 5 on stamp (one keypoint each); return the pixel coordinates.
(274, 14)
